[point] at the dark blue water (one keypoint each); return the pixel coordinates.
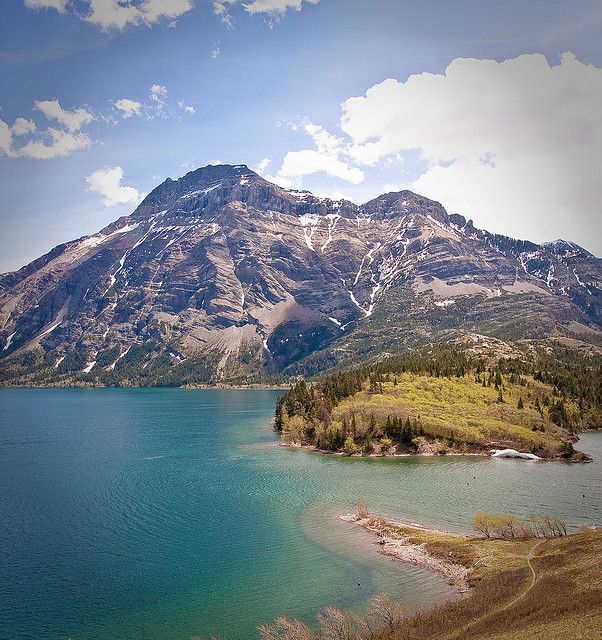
(167, 514)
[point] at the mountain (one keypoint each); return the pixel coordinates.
(224, 275)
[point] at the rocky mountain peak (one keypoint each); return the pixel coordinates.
(400, 203)
(204, 191)
(566, 248)
(213, 184)
(222, 273)
(460, 223)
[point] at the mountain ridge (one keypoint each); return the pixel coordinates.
(224, 269)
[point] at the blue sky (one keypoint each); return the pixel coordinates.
(491, 108)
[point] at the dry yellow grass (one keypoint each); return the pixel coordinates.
(522, 590)
(463, 411)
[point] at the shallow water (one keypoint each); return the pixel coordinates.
(166, 514)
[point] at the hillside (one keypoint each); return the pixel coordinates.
(522, 590)
(443, 403)
(222, 276)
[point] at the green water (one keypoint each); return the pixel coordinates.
(166, 514)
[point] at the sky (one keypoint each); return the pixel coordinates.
(493, 109)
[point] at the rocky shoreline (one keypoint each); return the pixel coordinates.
(393, 543)
(254, 386)
(486, 452)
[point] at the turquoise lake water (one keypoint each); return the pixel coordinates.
(167, 514)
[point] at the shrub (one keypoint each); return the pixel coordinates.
(362, 509)
(349, 447)
(386, 444)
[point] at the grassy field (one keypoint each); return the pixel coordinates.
(530, 589)
(461, 413)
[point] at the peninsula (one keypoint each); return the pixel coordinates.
(444, 401)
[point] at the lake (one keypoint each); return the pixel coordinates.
(167, 514)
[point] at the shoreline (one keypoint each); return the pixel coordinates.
(254, 386)
(394, 544)
(219, 386)
(447, 454)
(493, 575)
(312, 448)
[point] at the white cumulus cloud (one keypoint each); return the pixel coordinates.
(118, 14)
(22, 127)
(50, 142)
(517, 145)
(6, 140)
(107, 182)
(128, 107)
(54, 143)
(329, 157)
(298, 164)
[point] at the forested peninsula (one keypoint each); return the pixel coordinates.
(443, 401)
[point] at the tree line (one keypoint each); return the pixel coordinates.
(507, 526)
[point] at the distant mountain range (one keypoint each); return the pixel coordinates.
(224, 275)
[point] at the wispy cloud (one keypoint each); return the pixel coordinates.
(186, 107)
(128, 108)
(156, 105)
(273, 10)
(158, 93)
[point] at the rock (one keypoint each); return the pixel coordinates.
(229, 270)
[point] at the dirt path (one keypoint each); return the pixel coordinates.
(529, 557)
(459, 634)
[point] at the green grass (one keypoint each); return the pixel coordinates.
(460, 411)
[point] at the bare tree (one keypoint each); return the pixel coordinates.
(362, 509)
(286, 629)
(338, 625)
(386, 611)
(482, 523)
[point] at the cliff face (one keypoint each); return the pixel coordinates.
(226, 268)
